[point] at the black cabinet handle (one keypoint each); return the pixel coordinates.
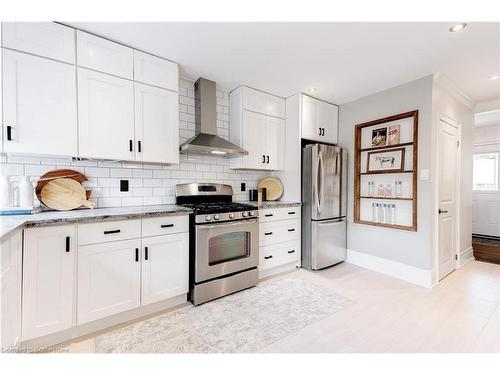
(291, 213)
(267, 159)
(268, 233)
(268, 257)
(268, 215)
(146, 253)
(68, 239)
(291, 230)
(9, 133)
(319, 131)
(136, 254)
(139, 148)
(291, 251)
(131, 145)
(166, 225)
(263, 159)
(112, 231)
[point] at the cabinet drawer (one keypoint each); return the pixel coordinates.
(278, 231)
(273, 214)
(108, 231)
(267, 104)
(157, 226)
(45, 39)
(104, 56)
(280, 254)
(155, 71)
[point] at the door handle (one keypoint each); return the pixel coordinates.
(267, 159)
(112, 231)
(166, 225)
(442, 211)
(139, 148)
(291, 230)
(146, 253)
(291, 251)
(263, 159)
(268, 233)
(67, 244)
(319, 129)
(131, 145)
(9, 133)
(136, 254)
(268, 257)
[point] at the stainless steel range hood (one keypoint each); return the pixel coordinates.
(206, 140)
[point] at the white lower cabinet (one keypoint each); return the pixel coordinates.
(10, 290)
(49, 272)
(279, 240)
(165, 267)
(109, 277)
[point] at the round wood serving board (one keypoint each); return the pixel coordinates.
(65, 194)
(59, 173)
(274, 187)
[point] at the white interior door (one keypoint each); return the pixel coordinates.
(447, 200)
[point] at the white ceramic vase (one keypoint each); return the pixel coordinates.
(6, 195)
(25, 192)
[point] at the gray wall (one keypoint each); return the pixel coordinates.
(412, 248)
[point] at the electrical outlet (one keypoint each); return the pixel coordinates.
(123, 185)
(243, 186)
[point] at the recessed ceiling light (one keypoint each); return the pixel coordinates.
(494, 77)
(312, 89)
(458, 27)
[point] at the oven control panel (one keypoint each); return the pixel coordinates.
(225, 216)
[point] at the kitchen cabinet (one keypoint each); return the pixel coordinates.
(319, 120)
(10, 292)
(39, 105)
(260, 134)
(45, 39)
(165, 267)
(156, 124)
(104, 56)
(49, 271)
(154, 71)
(106, 116)
(261, 102)
(109, 277)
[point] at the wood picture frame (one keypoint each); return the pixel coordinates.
(383, 161)
(359, 150)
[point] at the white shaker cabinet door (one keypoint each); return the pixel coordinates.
(165, 267)
(104, 55)
(156, 124)
(48, 280)
(310, 119)
(254, 140)
(106, 116)
(109, 279)
(39, 105)
(275, 143)
(47, 39)
(155, 71)
(328, 122)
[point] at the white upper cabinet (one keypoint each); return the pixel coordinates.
(319, 120)
(39, 105)
(261, 134)
(104, 56)
(106, 116)
(48, 280)
(45, 39)
(261, 102)
(156, 125)
(154, 71)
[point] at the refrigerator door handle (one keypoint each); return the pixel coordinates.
(318, 182)
(322, 179)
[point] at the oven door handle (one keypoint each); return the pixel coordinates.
(227, 224)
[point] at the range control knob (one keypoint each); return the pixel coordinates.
(250, 213)
(216, 217)
(231, 216)
(208, 218)
(244, 214)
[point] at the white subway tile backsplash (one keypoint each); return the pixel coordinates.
(149, 184)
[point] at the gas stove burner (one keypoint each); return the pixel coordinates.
(217, 207)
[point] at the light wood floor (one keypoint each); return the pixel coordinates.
(461, 314)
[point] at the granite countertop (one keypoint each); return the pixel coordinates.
(274, 204)
(10, 223)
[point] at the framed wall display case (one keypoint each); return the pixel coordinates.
(385, 172)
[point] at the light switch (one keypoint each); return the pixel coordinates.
(424, 174)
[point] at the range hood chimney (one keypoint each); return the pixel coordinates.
(206, 140)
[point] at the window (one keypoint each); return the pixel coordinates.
(485, 171)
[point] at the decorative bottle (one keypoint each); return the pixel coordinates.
(375, 212)
(6, 195)
(25, 192)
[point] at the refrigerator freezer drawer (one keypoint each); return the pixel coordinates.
(327, 244)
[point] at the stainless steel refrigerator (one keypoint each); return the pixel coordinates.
(323, 205)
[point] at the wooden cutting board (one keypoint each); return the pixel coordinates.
(59, 173)
(274, 187)
(65, 194)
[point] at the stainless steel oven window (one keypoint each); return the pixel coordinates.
(228, 246)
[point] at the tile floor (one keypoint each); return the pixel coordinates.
(461, 314)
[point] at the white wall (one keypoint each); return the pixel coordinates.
(411, 248)
(446, 102)
(149, 184)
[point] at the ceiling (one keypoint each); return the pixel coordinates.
(344, 61)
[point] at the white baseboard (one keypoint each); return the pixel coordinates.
(391, 268)
(466, 256)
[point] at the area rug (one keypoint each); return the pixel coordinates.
(243, 322)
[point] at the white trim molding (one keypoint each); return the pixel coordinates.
(465, 257)
(391, 268)
(446, 84)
